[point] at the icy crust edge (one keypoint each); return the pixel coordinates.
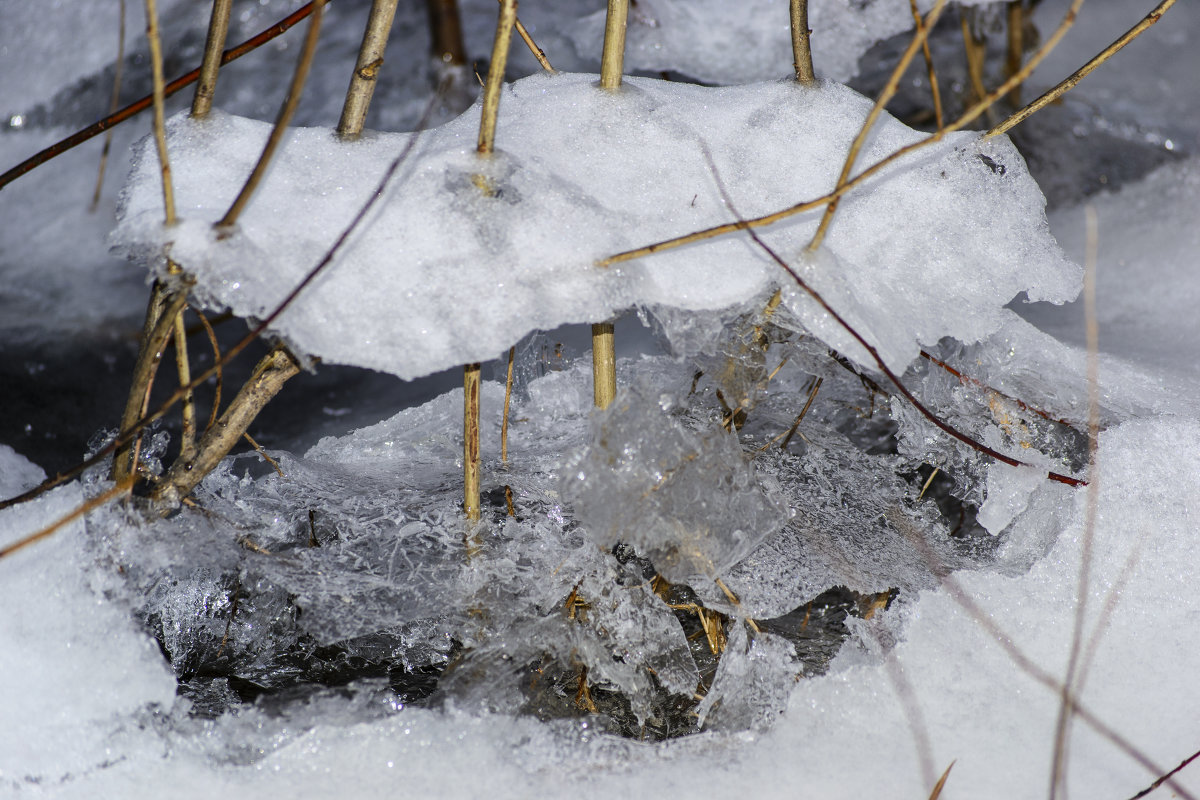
(440, 274)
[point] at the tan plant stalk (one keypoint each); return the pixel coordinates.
(938, 113)
(1015, 24)
(446, 26)
(612, 58)
(1071, 81)
(114, 104)
(184, 475)
(495, 78)
(285, 115)
(161, 312)
(801, 49)
(538, 53)
(508, 385)
(187, 433)
(967, 117)
(214, 47)
(612, 61)
(366, 69)
(485, 147)
(889, 91)
(471, 441)
(975, 48)
(160, 137)
(140, 105)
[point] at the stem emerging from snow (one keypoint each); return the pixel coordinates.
(214, 46)
(366, 69)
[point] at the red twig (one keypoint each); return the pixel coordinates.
(97, 128)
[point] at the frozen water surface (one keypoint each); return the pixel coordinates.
(338, 628)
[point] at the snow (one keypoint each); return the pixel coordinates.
(459, 277)
(90, 708)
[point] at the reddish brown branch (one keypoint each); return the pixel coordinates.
(137, 107)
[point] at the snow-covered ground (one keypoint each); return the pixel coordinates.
(222, 650)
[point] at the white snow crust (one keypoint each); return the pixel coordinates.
(932, 248)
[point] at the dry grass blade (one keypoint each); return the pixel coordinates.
(508, 386)
(160, 136)
(214, 46)
(471, 441)
(303, 64)
(1061, 733)
(1014, 653)
(887, 93)
(114, 105)
(130, 431)
(138, 106)
(1070, 82)
(969, 116)
(1166, 776)
(935, 89)
(941, 784)
(116, 491)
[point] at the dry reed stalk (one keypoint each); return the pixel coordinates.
(938, 113)
(121, 487)
(140, 105)
(269, 376)
(485, 146)
(538, 53)
(941, 784)
(471, 441)
(1058, 775)
(285, 115)
(1071, 81)
(975, 47)
(967, 117)
(214, 48)
(113, 105)
(1015, 24)
(612, 62)
(160, 137)
(801, 45)
(446, 27)
(366, 69)
(889, 91)
(508, 385)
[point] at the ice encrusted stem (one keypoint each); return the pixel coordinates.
(214, 48)
(612, 62)
(485, 147)
(366, 69)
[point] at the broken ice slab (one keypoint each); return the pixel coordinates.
(933, 246)
(690, 502)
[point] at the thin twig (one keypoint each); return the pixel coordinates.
(612, 58)
(216, 348)
(938, 114)
(366, 69)
(508, 385)
(303, 64)
(969, 116)
(885, 96)
(134, 108)
(121, 488)
(114, 105)
(1058, 765)
(1166, 776)
(266, 456)
(129, 431)
(214, 46)
(495, 79)
(160, 137)
(802, 61)
(1070, 82)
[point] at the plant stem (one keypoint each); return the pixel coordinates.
(938, 114)
(508, 385)
(214, 46)
(138, 106)
(160, 138)
(113, 105)
(185, 474)
(285, 115)
(495, 78)
(1071, 81)
(446, 28)
(471, 441)
(370, 59)
(801, 50)
(612, 60)
(1015, 19)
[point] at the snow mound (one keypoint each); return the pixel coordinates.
(442, 273)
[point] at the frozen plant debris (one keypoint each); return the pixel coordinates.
(932, 247)
(690, 502)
